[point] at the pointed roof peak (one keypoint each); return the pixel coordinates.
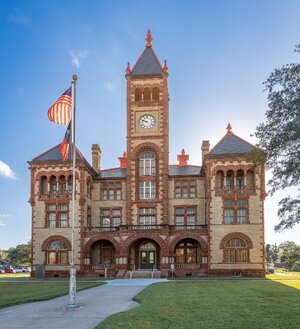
(149, 39)
(231, 144)
(229, 128)
(148, 63)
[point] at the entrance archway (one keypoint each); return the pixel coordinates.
(103, 251)
(144, 254)
(147, 252)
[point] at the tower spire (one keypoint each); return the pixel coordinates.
(149, 40)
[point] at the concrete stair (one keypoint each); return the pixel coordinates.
(120, 274)
(143, 274)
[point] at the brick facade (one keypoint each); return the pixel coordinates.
(200, 220)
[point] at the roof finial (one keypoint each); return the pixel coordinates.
(229, 128)
(149, 39)
(165, 68)
(128, 70)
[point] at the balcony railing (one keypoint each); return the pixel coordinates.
(145, 227)
(101, 229)
(100, 267)
(190, 266)
(235, 191)
(57, 195)
(187, 227)
(95, 229)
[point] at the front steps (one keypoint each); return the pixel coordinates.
(143, 274)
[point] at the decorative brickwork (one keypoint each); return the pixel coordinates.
(145, 203)
(236, 235)
(54, 238)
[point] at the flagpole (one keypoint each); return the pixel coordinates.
(72, 288)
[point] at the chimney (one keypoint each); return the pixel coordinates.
(205, 149)
(96, 157)
(182, 158)
(123, 160)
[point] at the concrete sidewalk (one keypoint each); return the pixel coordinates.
(95, 305)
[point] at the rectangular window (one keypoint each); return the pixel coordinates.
(185, 189)
(110, 218)
(57, 215)
(147, 190)
(57, 257)
(52, 220)
(147, 216)
(111, 191)
(235, 211)
(89, 217)
(185, 215)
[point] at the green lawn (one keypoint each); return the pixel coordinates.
(12, 293)
(238, 304)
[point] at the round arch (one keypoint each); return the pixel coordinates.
(56, 237)
(91, 241)
(184, 236)
(144, 147)
(138, 236)
(236, 235)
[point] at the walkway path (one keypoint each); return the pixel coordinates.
(95, 305)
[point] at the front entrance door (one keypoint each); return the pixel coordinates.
(147, 256)
(147, 259)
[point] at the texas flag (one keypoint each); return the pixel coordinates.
(64, 146)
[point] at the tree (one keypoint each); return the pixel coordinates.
(289, 254)
(3, 256)
(279, 138)
(272, 253)
(20, 255)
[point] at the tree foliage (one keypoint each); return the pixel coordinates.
(289, 254)
(279, 137)
(272, 253)
(20, 255)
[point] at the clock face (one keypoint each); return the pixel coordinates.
(147, 121)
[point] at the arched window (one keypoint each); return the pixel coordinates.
(53, 184)
(44, 185)
(57, 253)
(147, 164)
(62, 184)
(186, 252)
(236, 251)
(155, 93)
(147, 94)
(219, 179)
(229, 179)
(70, 181)
(138, 94)
(240, 179)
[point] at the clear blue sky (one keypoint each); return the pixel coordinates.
(218, 52)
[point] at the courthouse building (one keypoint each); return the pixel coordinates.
(147, 215)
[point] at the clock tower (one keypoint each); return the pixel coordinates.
(147, 140)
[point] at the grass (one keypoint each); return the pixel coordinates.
(247, 304)
(13, 293)
(14, 275)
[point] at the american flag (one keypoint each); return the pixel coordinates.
(60, 111)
